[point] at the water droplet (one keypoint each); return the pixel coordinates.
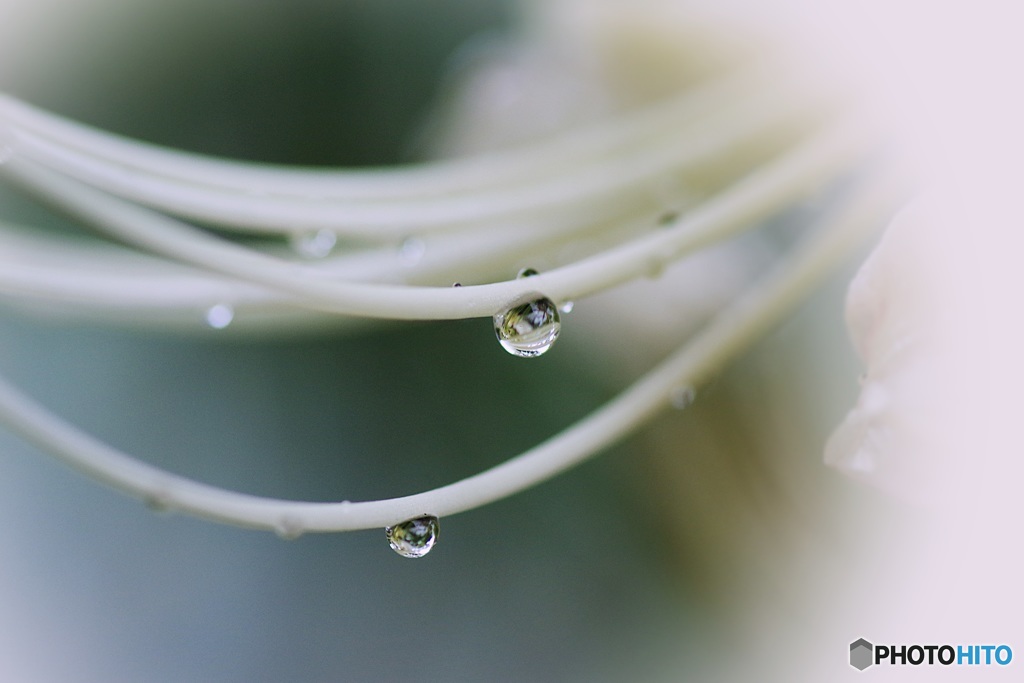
(528, 328)
(526, 272)
(567, 307)
(158, 501)
(682, 397)
(289, 528)
(668, 217)
(456, 284)
(315, 244)
(220, 316)
(411, 251)
(415, 537)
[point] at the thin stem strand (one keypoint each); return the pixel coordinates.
(712, 139)
(731, 331)
(446, 177)
(764, 192)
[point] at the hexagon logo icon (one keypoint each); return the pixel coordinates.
(861, 652)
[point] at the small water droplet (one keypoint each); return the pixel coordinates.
(288, 528)
(526, 272)
(456, 284)
(315, 244)
(682, 397)
(411, 251)
(158, 501)
(668, 218)
(528, 328)
(415, 537)
(567, 307)
(220, 316)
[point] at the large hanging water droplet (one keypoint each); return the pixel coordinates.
(415, 537)
(315, 244)
(220, 316)
(528, 328)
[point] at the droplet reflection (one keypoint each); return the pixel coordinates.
(529, 328)
(415, 537)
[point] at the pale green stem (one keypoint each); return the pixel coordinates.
(691, 145)
(764, 192)
(545, 159)
(732, 330)
(40, 267)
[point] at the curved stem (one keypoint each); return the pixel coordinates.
(496, 169)
(605, 183)
(728, 333)
(101, 275)
(766, 191)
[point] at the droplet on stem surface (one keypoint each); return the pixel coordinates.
(288, 528)
(411, 251)
(682, 397)
(158, 501)
(529, 328)
(315, 244)
(414, 537)
(668, 218)
(526, 272)
(220, 316)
